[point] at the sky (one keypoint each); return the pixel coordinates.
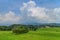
(29, 11)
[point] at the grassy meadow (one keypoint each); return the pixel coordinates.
(40, 34)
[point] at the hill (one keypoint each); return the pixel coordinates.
(40, 34)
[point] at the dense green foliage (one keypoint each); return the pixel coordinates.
(9, 28)
(4, 28)
(20, 30)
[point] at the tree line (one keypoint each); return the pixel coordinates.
(19, 28)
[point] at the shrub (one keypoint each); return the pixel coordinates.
(20, 30)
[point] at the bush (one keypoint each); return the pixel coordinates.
(20, 30)
(33, 28)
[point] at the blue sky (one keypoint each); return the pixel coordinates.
(14, 5)
(29, 11)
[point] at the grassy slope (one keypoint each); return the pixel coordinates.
(40, 34)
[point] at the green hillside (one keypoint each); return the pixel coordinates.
(40, 34)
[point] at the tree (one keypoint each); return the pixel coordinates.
(20, 30)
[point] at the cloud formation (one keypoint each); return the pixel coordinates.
(9, 17)
(31, 13)
(39, 14)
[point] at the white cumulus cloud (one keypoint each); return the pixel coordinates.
(9, 17)
(32, 13)
(40, 14)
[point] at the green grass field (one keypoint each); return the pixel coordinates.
(40, 34)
